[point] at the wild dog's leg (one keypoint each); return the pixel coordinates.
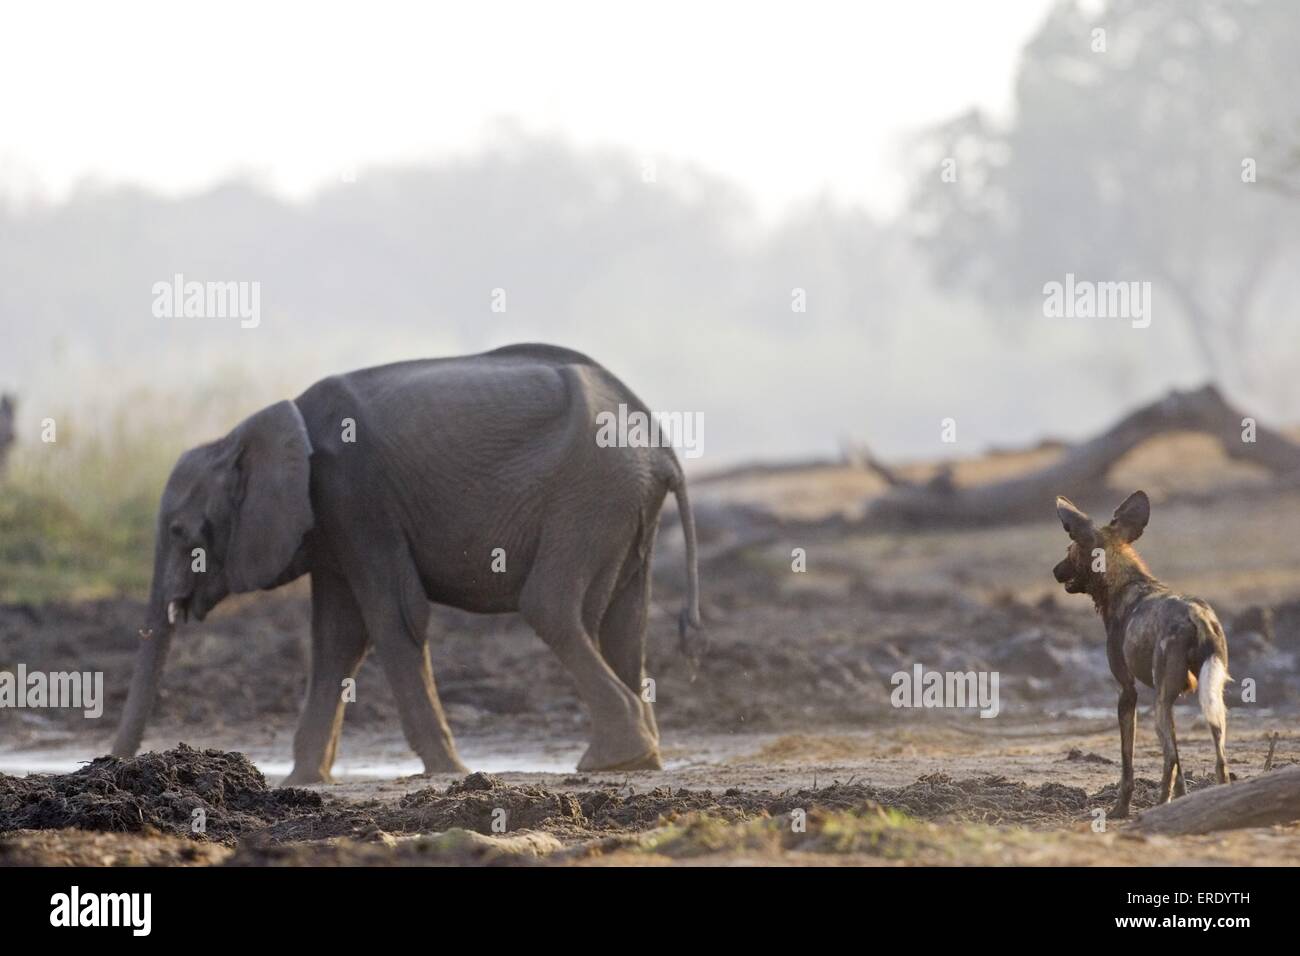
(1170, 672)
(1128, 697)
(1172, 784)
(1220, 733)
(1164, 725)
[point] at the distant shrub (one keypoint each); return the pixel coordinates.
(77, 514)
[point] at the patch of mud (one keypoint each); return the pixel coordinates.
(481, 800)
(140, 812)
(157, 792)
(990, 799)
(1084, 756)
(805, 749)
(85, 848)
(379, 848)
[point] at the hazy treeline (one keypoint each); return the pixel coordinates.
(1124, 165)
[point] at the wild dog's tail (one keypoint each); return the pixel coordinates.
(690, 614)
(1214, 674)
(1211, 649)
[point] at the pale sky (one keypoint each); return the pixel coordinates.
(791, 100)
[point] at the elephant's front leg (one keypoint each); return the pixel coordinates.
(399, 638)
(338, 644)
(423, 721)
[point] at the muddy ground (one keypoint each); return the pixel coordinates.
(784, 749)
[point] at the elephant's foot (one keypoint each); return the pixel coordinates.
(650, 761)
(444, 763)
(633, 751)
(302, 778)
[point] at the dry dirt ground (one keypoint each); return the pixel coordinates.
(785, 748)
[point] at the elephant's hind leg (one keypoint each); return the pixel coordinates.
(338, 644)
(620, 738)
(622, 639)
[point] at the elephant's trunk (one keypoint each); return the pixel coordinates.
(155, 638)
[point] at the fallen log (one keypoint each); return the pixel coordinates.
(1081, 470)
(1263, 801)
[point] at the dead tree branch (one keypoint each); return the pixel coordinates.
(1081, 470)
(1264, 801)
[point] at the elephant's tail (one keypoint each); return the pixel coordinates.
(689, 618)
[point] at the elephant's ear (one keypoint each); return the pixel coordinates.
(271, 496)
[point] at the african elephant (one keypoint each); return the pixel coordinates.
(395, 486)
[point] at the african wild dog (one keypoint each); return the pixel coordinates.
(1165, 640)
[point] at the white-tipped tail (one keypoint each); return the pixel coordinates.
(1210, 689)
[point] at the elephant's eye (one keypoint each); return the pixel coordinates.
(177, 531)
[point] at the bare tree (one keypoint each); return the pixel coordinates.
(1133, 155)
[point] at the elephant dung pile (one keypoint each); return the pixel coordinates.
(203, 794)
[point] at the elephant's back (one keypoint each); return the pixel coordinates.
(518, 389)
(529, 370)
(525, 408)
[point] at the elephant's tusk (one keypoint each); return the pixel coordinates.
(173, 609)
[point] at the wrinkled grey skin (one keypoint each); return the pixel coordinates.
(452, 459)
(1167, 641)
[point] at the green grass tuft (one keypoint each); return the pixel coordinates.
(77, 514)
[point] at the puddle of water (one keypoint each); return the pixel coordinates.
(39, 761)
(21, 763)
(388, 769)
(1182, 710)
(276, 767)
(1089, 713)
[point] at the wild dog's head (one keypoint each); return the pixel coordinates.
(1097, 555)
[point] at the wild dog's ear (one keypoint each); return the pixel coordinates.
(1077, 524)
(1132, 516)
